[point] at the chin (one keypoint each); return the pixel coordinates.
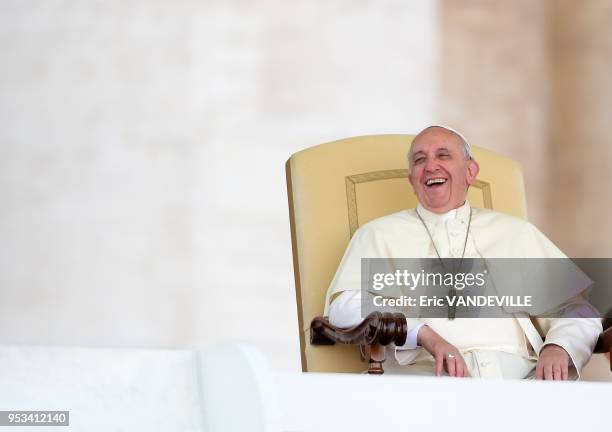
(438, 205)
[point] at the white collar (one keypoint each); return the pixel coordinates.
(461, 214)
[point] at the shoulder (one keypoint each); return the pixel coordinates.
(489, 218)
(514, 233)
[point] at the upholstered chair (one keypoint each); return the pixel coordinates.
(333, 189)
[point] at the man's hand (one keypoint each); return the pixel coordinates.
(440, 349)
(553, 363)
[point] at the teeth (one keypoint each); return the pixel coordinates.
(436, 180)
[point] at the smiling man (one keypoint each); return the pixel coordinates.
(441, 170)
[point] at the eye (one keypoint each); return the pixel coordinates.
(419, 160)
(444, 156)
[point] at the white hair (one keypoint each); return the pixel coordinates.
(467, 150)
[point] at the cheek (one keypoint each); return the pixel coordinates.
(461, 177)
(419, 173)
(413, 179)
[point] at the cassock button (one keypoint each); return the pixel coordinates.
(484, 363)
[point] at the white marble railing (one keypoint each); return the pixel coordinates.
(356, 403)
(222, 389)
(231, 389)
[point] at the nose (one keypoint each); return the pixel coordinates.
(431, 165)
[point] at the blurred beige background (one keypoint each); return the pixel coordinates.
(531, 79)
(143, 145)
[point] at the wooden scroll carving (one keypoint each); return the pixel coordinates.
(375, 332)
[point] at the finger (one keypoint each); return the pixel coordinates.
(539, 371)
(460, 365)
(564, 372)
(439, 361)
(548, 374)
(450, 365)
(556, 372)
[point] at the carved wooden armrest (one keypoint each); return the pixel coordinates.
(375, 332)
(604, 343)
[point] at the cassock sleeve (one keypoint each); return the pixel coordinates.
(343, 300)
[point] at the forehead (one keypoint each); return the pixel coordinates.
(434, 139)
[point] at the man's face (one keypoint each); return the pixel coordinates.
(441, 174)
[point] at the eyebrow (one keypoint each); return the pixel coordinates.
(421, 152)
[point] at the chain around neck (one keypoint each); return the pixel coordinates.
(467, 233)
(451, 309)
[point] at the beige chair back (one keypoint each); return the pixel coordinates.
(334, 188)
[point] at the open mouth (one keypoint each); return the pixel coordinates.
(435, 182)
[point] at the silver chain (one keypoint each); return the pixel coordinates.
(451, 310)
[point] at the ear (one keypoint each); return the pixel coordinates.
(472, 171)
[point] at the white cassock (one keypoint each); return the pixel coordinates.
(487, 344)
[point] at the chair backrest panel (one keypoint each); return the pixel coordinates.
(336, 187)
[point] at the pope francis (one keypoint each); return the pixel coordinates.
(441, 169)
